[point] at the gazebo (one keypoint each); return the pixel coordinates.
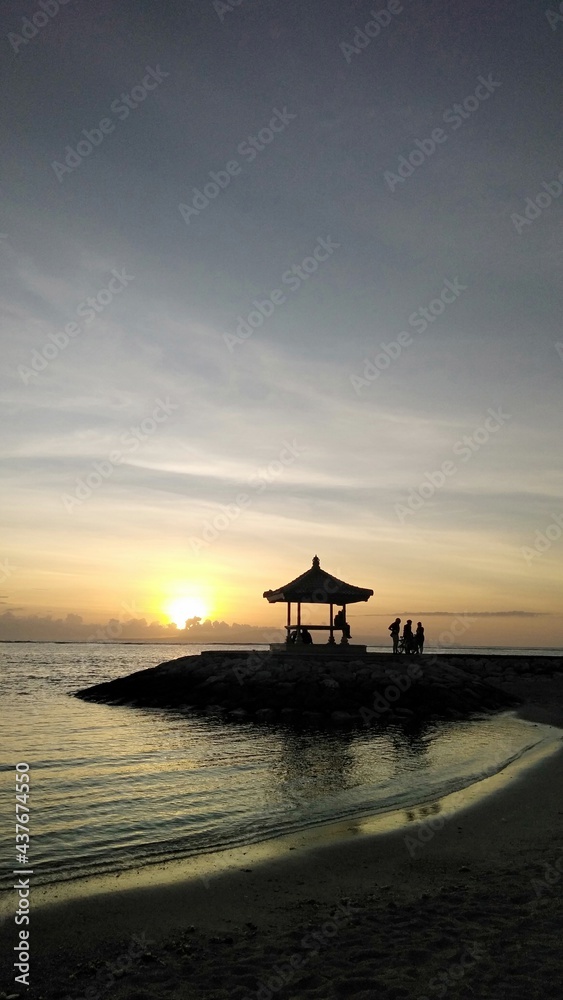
(316, 586)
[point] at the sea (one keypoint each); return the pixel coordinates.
(113, 788)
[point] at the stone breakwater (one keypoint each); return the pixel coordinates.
(373, 688)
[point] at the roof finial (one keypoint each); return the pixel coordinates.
(316, 562)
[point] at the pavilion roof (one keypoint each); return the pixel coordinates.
(315, 586)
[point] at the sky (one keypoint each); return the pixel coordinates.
(277, 280)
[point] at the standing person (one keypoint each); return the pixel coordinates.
(408, 636)
(419, 638)
(395, 628)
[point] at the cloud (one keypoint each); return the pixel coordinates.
(72, 628)
(471, 614)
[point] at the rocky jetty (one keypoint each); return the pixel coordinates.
(369, 690)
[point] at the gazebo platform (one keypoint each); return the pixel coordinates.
(321, 649)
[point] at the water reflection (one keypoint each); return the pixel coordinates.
(311, 766)
(411, 744)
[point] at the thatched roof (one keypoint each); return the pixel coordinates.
(318, 587)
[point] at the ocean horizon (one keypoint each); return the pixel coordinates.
(371, 648)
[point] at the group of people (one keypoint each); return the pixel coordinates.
(304, 636)
(409, 641)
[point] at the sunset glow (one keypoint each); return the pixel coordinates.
(277, 314)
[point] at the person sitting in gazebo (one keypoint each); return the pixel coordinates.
(340, 622)
(306, 637)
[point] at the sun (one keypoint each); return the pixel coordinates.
(179, 609)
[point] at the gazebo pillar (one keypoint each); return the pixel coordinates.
(331, 634)
(288, 633)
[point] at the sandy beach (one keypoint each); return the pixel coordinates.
(459, 898)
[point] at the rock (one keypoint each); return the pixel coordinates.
(316, 686)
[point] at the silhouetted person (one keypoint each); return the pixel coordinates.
(408, 636)
(293, 636)
(419, 638)
(306, 637)
(395, 628)
(340, 622)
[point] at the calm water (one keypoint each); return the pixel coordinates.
(114, 787)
